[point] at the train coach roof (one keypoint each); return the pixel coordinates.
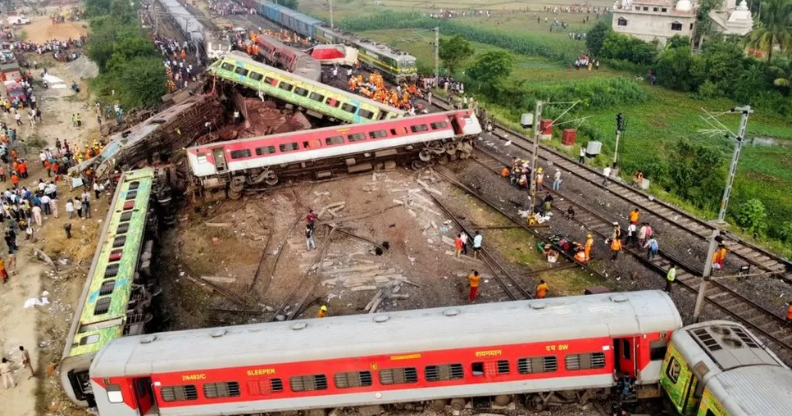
(555, 319)
(759, 390)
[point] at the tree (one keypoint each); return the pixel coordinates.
(679, 69)
(703, 21)
(99, 46)
(142, 82)
(627, 48)
(775, 28)
(596, 36)
(677, 42)
(454, 51)
(128, 48)
(696, 173)
(491, 67)
(751, 216)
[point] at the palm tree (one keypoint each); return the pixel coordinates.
(774, 27)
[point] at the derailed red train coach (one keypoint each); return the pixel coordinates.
(526, 349)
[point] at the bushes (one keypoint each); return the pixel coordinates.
(751, 216)
(628, 48)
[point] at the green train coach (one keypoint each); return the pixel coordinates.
(113, 299)
(719, 368)
(318, 99)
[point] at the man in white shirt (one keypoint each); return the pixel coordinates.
(606, 173)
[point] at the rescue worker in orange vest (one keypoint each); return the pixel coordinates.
(634, 214)
(616, 246)
(789, 314)
(719, 258)
(473, 279)
(541, 290)
(322, 312)
(505, 173)
(589, 245)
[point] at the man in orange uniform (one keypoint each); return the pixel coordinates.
(15, 179)
(634, 214)
(589, 244)
(3, 272)
(541, 290)
(473, 278)
(719, 258)
(616, 247)
(322, 312)
(789, 314)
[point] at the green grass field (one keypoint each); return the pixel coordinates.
(765, 172)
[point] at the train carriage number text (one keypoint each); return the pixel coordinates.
(261, 372)
(559, 347)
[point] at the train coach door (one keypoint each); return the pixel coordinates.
(145, 396)
(219, 159)
(625, 356)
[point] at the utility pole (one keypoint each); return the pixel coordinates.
(437, 55)
(331, 14)
(535, 151)
(713, 245)
(744, 112)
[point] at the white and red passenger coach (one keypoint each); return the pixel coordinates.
(262, 159)
(567, 345)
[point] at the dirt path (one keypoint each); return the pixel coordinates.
(33, 327)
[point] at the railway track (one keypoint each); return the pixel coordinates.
(725, 299)
(750, 253)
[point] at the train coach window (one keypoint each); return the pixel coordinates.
(352, 379)
(537, 365)
(119, 241)
(271, 81)
(227, 66)
(503, 367)
(179, 393)
(239, 154)
(308, 383)
(266, 150)
(419, 128)
(302, 92)
(356, 137)
(255, 76)
(316, 97)
(443, 372)
(114, 394)
(90, 339)
(122, 228)
(285, 86)
(312, 144)
(439, 125)
(366, 114)
(334, 140)
(131, 195)
(134, 185)
(102, 306)
(289, 147)
(126, 216)
(333, 102)
(477, 369)
(349, 108)
(585, 361)
(241, 71)
(264, 386)
(224, 389)
(657, 349)
(378, 134)
(111, 270)
(107, 288)
(398, 376)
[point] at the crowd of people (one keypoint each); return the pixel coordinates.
(402, 96)
(227, 7)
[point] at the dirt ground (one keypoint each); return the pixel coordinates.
(41, 29)
(43, 329)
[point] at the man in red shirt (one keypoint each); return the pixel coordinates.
(311, 218)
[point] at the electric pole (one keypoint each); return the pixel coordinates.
(534, 152)
(713, 245)
(437, 55)
(744, 112)
(713, 242)
(331, 14)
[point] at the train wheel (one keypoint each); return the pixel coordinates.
(237, 184)
(438, 405)
(234, 194)
(458, 404)
(272, 179)
(425, 155)
(534, 401)
(502, 400)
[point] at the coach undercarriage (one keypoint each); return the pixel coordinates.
(415, 156)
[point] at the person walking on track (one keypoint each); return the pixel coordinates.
(670, 277)
(473, 280)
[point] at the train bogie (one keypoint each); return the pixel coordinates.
(563, 351)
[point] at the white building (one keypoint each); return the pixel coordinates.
(655, 19)
(661, 19)
(732, 19)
